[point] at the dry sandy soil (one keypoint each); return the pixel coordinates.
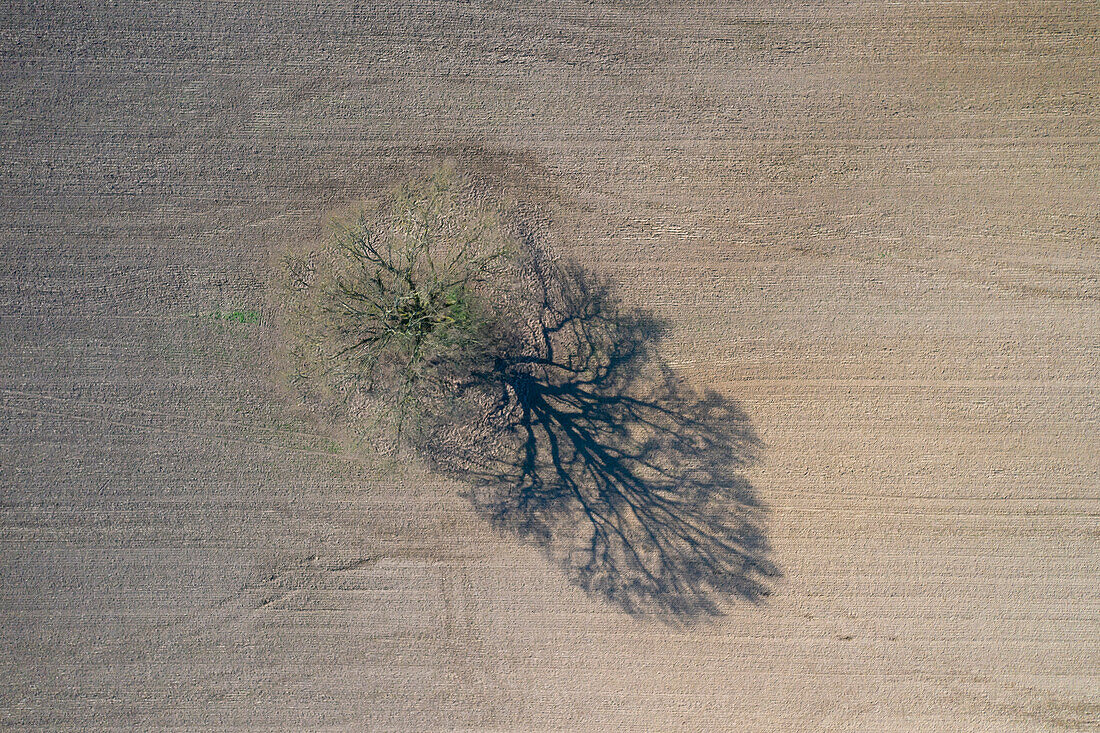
(874, 225)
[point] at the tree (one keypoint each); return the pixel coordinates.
(534, 384)
(402, 295)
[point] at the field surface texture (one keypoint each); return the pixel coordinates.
(871, 228)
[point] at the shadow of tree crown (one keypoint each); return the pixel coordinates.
(576, 436)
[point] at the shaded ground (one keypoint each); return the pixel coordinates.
(579, 438)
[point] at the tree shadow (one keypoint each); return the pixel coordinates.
(576, 436)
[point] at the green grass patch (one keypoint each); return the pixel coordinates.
(238, 316)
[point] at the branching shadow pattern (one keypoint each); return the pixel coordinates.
(577, 437)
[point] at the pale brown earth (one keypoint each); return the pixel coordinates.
(875, 225)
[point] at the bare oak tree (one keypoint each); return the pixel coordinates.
(401, 293)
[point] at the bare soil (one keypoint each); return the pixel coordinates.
(872, 225)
